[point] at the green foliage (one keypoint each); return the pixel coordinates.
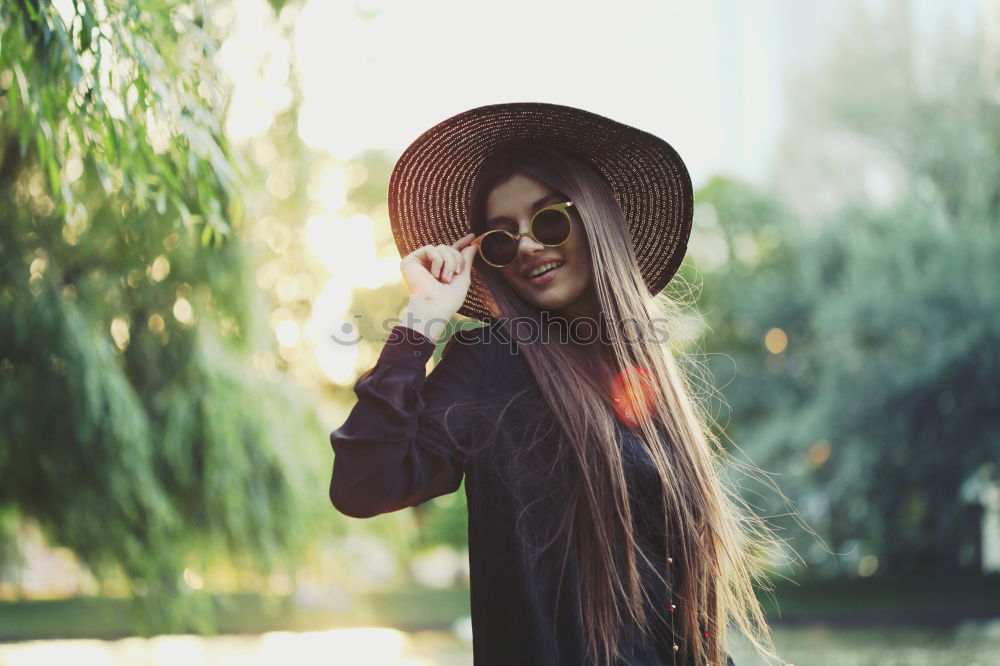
(892, 329)
(136, 428)
(127, 88)
(885, 399)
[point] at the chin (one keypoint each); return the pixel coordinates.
(554, 304)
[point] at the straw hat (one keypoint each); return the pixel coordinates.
(431, 183)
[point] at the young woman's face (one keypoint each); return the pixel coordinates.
(567, 289)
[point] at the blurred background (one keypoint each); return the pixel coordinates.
(193, 201)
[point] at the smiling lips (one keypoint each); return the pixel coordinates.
(532, 266)
(548, 275)
(538, 269)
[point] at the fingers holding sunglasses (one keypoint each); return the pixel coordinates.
(444, 269)
(458, 265)
(467, 251)
(446, 262)
(435, 257)
(440, 260)
(428, 258)
(464, 241)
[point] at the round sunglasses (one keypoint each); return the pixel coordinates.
(550, 226)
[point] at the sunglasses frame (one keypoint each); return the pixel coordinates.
(561, 207)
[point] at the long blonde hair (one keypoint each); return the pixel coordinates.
(718, 545)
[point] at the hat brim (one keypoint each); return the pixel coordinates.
(431, 183)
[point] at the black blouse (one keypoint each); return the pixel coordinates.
(394, 451)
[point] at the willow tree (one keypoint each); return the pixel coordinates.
(135, 427)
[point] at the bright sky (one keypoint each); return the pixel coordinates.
(377, 73)
(705, 76)
(382, 77)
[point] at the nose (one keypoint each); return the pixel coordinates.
(527, 245)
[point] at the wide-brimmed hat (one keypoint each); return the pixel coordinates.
(431, 183)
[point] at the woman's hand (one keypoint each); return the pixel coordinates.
(437, 278)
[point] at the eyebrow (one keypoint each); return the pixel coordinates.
(555, 196)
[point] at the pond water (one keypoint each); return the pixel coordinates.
(971, 644)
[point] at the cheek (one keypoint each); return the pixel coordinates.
(581, 273)
(510, 278)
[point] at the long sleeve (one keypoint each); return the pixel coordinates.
(393, 450)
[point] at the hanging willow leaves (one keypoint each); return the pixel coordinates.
(134, 427)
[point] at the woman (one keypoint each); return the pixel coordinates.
(599, 529)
